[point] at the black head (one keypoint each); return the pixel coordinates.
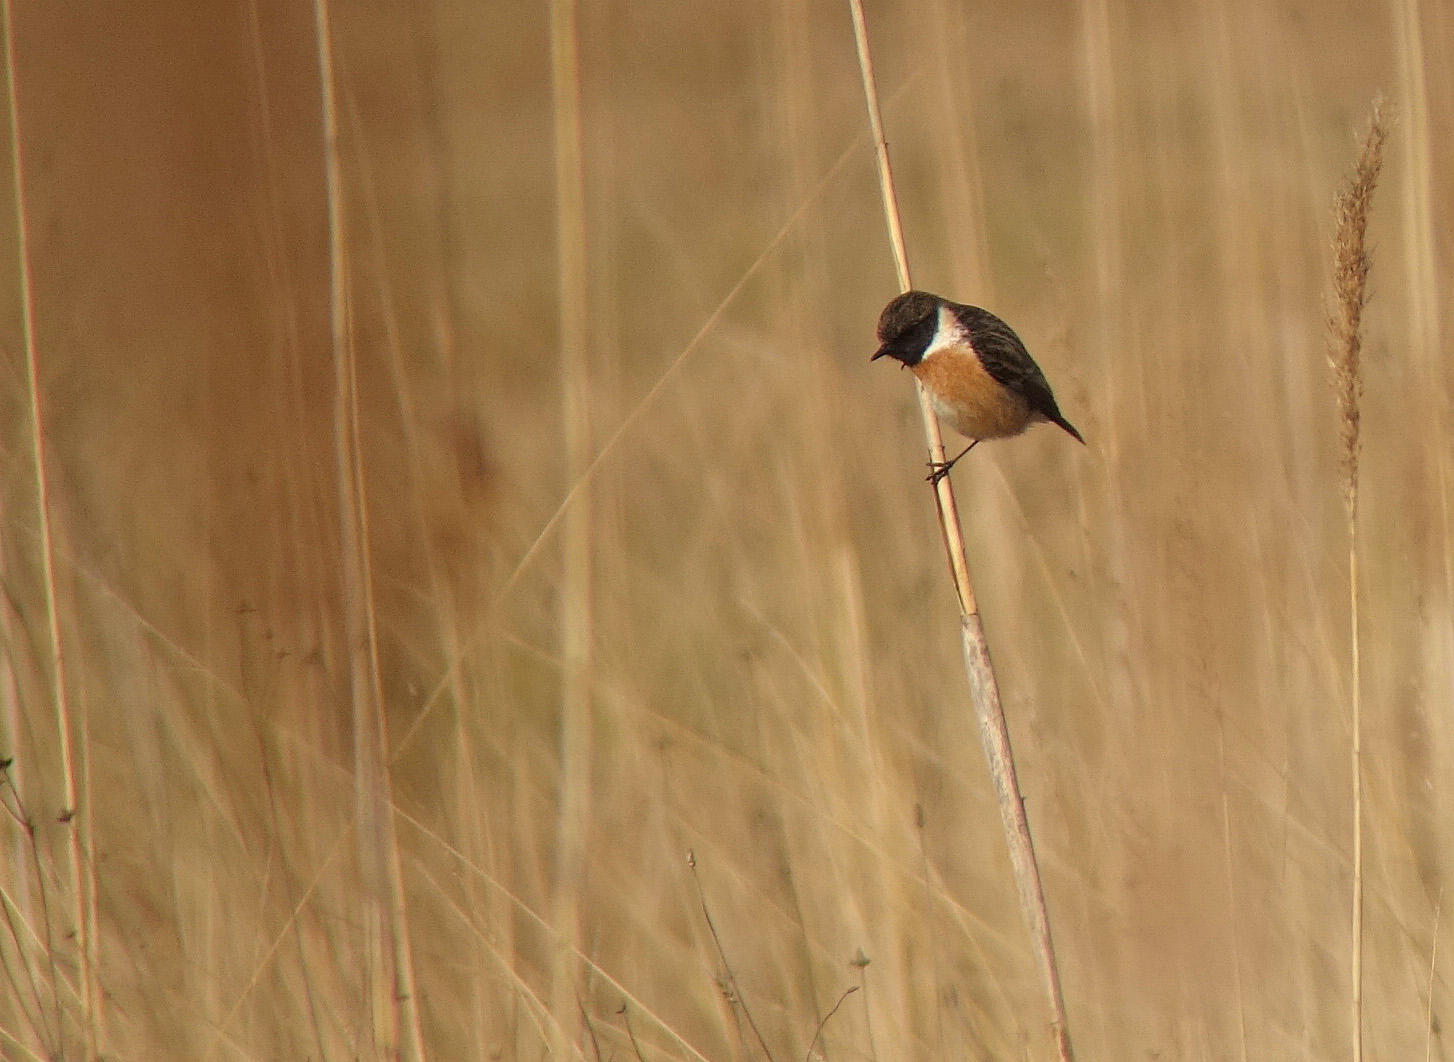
(907, 326)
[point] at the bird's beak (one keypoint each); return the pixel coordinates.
(879, 353)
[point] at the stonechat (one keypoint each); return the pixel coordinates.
(979, 376)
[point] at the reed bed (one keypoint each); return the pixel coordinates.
(441, 551)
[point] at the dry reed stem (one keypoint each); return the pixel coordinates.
(1233, 917)
(1433, 968)
(818, 1032)
(1423, 273)
(860, 962)
(394, 1004)
(80, 890)
(984, 689)
(728, 981)
(1345, 321)
(574, 812)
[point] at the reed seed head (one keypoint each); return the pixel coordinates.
(1350, 295)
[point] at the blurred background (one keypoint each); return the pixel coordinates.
(441, 552)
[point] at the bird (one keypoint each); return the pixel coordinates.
(976, 371)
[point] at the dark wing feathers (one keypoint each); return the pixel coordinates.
(1005, 358)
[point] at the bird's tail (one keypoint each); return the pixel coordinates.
(1068, 426)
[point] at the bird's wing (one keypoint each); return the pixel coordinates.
(1005, 358)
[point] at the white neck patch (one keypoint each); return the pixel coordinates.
(950, 333)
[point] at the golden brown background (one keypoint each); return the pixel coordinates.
(706, 607)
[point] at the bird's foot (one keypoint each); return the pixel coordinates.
(939, 469)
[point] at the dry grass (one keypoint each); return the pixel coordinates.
(771, 684)
(1351, 262)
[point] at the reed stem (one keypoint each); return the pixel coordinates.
(1350, 291)
(76, 819)
(984, 689)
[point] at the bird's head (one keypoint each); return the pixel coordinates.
(907, 327)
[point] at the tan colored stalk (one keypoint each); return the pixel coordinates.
(1233, 918)
(984, 690)
(574, 813)
(1433, 969)
(1423, 278)
(394, 999)
(1345, 325)
(75, 820)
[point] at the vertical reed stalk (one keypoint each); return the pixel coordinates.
(573, 821)
(75, 820)
(394, 1007)
(1433, 969)
(1423, 279)
(984, 689)
(1345, 325)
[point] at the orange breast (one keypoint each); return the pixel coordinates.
(973, 401)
